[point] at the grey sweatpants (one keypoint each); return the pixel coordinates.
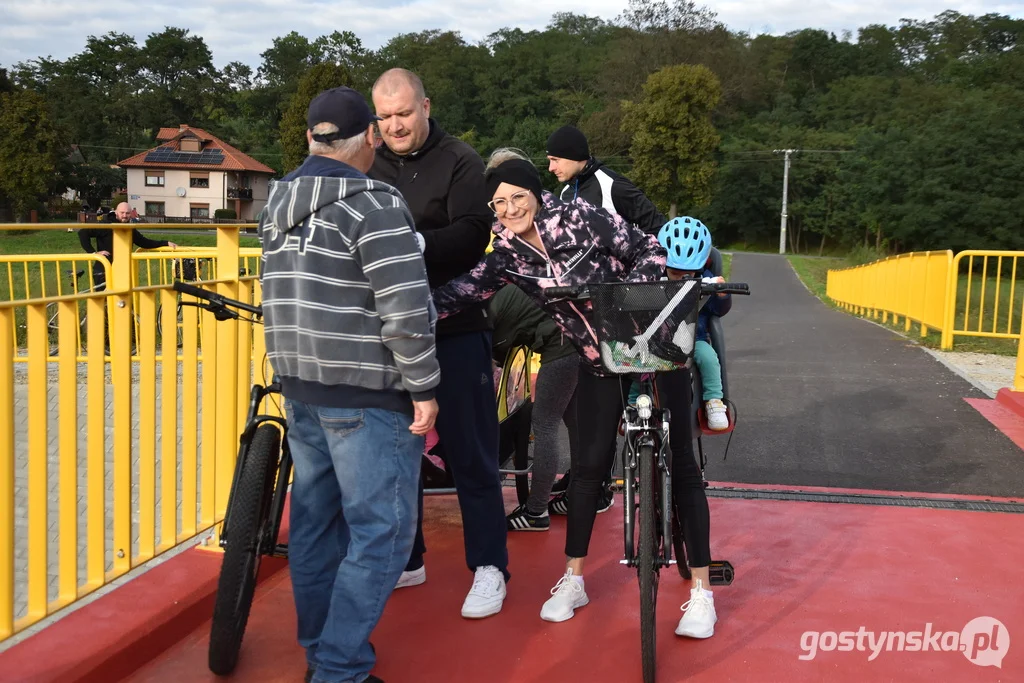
(553, 402)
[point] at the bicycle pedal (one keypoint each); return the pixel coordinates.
(720, 573)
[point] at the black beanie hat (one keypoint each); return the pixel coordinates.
(568, 142)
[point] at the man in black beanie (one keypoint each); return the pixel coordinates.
(588, 179)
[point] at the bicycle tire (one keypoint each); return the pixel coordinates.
(647, 571)
(250, 512)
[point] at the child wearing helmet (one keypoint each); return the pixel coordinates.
(688, 243)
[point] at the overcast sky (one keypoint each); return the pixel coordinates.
(241, 30)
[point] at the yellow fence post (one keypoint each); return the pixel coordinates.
(121, 379)
(7, 332)
(949, 307)
(1018, 377)
(227, 369)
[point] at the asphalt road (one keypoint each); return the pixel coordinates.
(826, 399)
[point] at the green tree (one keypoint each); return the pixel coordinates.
(30, 148)
(286, 61)
(674, 139)
(293, 124)
(180, 79)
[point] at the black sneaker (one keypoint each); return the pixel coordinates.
(562, 485)
(606, 501)
(520, 519)
(559, 505)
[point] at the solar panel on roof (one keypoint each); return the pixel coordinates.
(170, 156)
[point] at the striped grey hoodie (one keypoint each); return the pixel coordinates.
(347, 313)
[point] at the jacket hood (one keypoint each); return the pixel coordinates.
(319, 182)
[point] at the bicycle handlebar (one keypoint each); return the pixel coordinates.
(216, 300)
(570, 291)
(725, 287)
(579, 291)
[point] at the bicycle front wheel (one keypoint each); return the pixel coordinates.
(647, 570)
(249, 515)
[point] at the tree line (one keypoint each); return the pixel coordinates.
(906, 137)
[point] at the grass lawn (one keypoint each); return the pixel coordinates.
(814, 273)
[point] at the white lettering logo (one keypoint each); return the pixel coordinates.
(983, 641)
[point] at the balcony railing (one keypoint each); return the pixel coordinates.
(239, 193)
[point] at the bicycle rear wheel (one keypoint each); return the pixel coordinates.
(249, 515)
(647, 570)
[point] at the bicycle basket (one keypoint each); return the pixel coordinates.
(646, 326)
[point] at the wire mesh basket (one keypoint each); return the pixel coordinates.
(646, 326)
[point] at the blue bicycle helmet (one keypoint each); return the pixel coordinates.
(687, 241)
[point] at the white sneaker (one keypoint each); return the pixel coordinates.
(699, 617)
(718, 419)
(487, 594)
(413, 578)
(566, 597)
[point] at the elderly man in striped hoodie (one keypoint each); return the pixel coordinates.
(350, 334)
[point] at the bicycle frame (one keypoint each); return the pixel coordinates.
(650, 431)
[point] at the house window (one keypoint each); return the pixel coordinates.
(155, 208)
(199, 179)
(154, 178)
(189, 145)
(199, 210)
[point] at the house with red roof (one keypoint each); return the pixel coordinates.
(192, 174)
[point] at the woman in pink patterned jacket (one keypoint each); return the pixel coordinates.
(540, 242)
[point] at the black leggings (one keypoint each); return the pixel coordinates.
(599, 406)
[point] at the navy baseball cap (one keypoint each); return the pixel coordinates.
(345, 108)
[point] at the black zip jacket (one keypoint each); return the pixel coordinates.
(443, 184)
(104, 238)
(519, 320)
(608, 190)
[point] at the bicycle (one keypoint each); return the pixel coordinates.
(644, 328)
(513, 397)
(259, 486)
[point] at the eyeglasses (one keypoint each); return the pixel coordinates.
(520, 200)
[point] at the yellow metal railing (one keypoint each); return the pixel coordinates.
(30, 276)
(131, 454)
(909, 285)
(974, 294)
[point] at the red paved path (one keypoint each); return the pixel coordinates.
(799, 567)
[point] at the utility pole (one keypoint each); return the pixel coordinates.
(785, 198)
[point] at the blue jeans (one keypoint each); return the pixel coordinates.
(353, 520)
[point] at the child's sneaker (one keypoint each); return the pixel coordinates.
(699, 615)
(718, 419)
(521, 519)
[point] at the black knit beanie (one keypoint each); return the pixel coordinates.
(569, 142)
